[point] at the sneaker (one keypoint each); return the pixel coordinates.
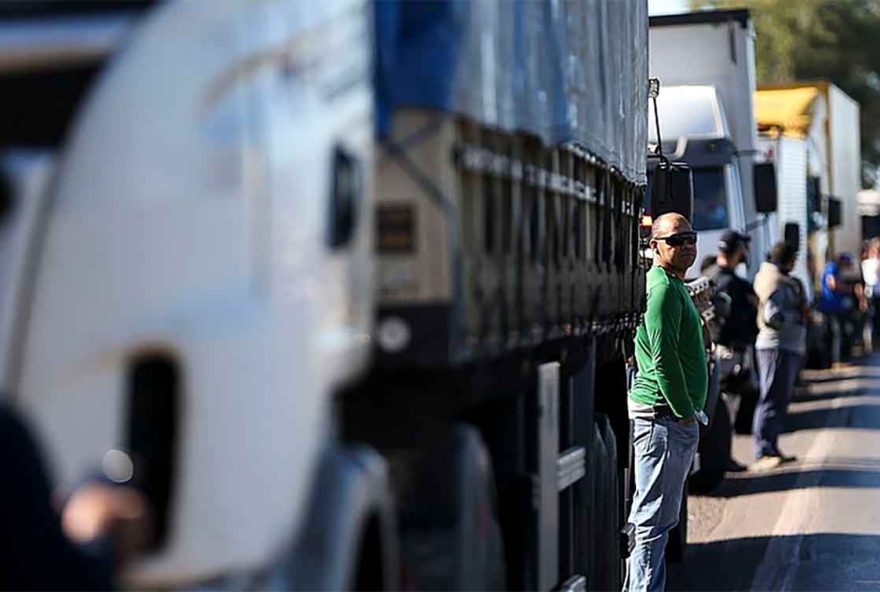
(765, 463)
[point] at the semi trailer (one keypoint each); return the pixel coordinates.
(353, 286)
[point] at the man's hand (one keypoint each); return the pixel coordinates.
(96, 510)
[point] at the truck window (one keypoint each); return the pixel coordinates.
(60, 47)
(685, 113)
(39, 106)
(710, 199)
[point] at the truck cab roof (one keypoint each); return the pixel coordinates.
(693, 126)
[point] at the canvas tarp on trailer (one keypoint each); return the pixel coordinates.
(564, 71)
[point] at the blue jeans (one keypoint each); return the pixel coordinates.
(664, 452)
(778, 370)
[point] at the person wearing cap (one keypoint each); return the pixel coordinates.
(779, 349)
(734, 334)
(666, 400)
(739, 330)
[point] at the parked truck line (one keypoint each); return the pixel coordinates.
(193, 288)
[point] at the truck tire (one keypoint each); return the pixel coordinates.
(451, 537)
(676, 544)
(714, 450)
(610, 577)
(745, 412)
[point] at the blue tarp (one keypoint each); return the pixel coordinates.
(567, 71)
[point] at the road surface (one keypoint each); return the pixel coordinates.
(810, 525)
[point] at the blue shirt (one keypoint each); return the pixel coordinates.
(829, 300)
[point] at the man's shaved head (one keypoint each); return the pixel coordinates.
(675, 258)
(669, 223)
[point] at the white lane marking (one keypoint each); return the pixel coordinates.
(798, 506)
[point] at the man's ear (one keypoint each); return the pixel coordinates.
(653, 244)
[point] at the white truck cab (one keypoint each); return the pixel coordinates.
(715, 49)
(204, 244)
(694, 130)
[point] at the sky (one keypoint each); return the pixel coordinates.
(667, 6)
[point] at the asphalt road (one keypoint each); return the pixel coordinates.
(810, 525)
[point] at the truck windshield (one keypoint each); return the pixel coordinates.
(710, 199)
(40, 105)
(685, 112)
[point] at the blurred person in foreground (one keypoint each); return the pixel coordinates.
(666, 400)
(836, 302)
(871, 277)
(48, 545)
(779, 349)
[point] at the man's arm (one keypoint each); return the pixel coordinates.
(775, 314)
(663, 324)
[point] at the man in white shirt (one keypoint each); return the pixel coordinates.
(871, 275)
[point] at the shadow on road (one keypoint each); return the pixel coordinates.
(864, 416)
(817, 561)
(802, 396)
(862, 374)
(825, 562)
(827, 475)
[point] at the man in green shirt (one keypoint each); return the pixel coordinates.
(666, 399)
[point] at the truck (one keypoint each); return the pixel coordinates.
(347, 290)
(707, 118)
(796, 149)
(810, 131)
(829, 125)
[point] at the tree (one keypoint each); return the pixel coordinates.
(830, 40)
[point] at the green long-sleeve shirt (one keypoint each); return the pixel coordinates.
(669, 348)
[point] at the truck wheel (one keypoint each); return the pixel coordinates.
(714, 450)
(676, 545)
(451, 537)
(610, 574)
(745, 413)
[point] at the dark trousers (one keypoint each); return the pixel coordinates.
(777, 370)
(874, 313)
(34, 552)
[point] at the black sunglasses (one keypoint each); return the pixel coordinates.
(678, 239)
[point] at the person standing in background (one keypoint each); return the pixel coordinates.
(871, 277)
(835, 302)
(734, 332)
(779, 348)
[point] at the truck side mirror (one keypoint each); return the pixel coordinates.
(764, 178)
(835, 215)
(814, 194)
(672, 190)
(792, 234)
